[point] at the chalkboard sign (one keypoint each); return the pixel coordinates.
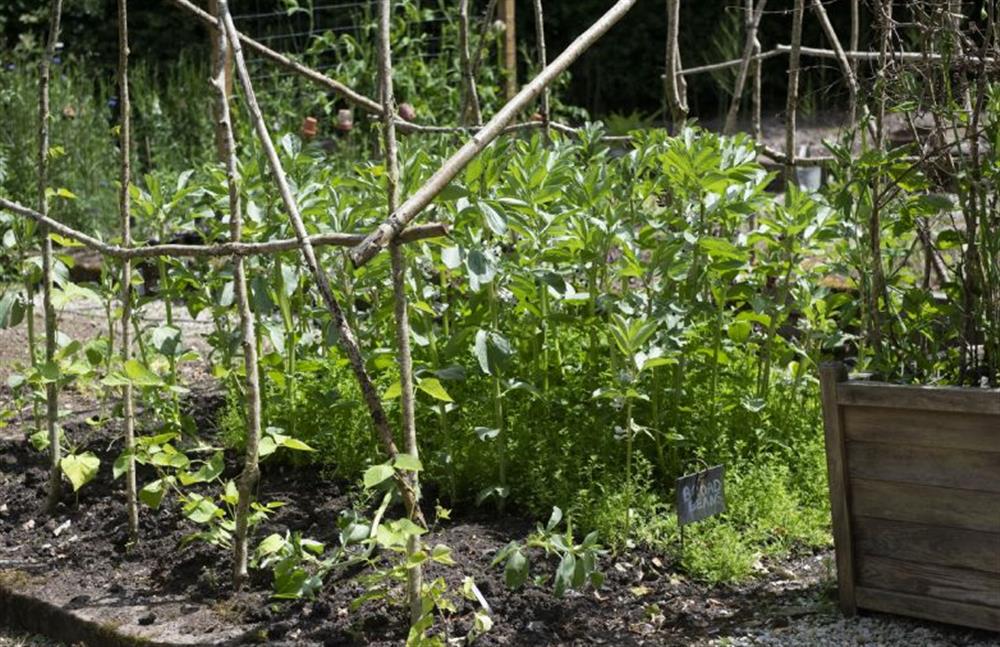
(701, 495)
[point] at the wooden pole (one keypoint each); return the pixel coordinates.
(509, 48)
(542, 62)
(222, 59)
(470, 110)
(348, 342)
(741, 77)
(124, 206)
(758, 130)
(51, 388)
(414, 575)
(792, 102)
(247, 481)
(845, 65)
(676, 86)
(385, 233)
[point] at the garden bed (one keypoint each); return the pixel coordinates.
(74, 577)
(915, 494)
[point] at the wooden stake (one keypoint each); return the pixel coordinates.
(676, 86)
(792, 103)
(124, 205)
(845, 65)
(51, 388)
(509, 47)
(414, 575)
(348, 342)
(741, 77)
(247, 481)
(385, 233)
(470, 110)
(542, 62)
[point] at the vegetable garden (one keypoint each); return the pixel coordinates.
(417, 333)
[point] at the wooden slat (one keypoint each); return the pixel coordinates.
(969, 615)
(929, 398)
(973, 432)
(832, 377)
(913, 542)
(954, 468)
(931, 505)
(941, 582)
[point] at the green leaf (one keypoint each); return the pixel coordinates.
(394, 391)
(296, 444)
(80, 469)
(377, 474)
(494, 220)
(516, 571)
(49, 372)
(140, 375)
(432, 387)
(201, 510)
(493, 352)
(564, 574)
(152, 493)
(120, 466)
(407, 462)
(270, 545)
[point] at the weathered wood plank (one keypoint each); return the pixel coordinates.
(832, 377)
(941, 582)
(913, 542)
(929, 398)
(974, 432)
(954, 468)
(919, 606)
(931, 505)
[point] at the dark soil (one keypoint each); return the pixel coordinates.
(644, 600)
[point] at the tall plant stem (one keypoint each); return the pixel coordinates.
(498, 419)
(124, 209)
(629, 486)
(854, 43)
(51, 388)
(414, 576)
(248, 336)
(542, 62)
(348, 341)
(792, 100)
(753, 22)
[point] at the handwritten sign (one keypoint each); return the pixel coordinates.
(701, 495)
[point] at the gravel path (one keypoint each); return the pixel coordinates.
(875, 630)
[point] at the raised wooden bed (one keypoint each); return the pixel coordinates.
(915, 493)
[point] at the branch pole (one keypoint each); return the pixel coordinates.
(411, 234)
(854, 44)
(741, 77)
(51, 388)
(385, 233)
(542, 62)
(792, 101)
(507, 13)
(247, 481)
(348, 342)
(390, 151)
(845, 64)
(676, 85)
(470, 110)
(756, 120)
(125, 208)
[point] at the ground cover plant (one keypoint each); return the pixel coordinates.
(586, 318)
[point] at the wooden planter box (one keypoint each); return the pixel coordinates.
(915, 494)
